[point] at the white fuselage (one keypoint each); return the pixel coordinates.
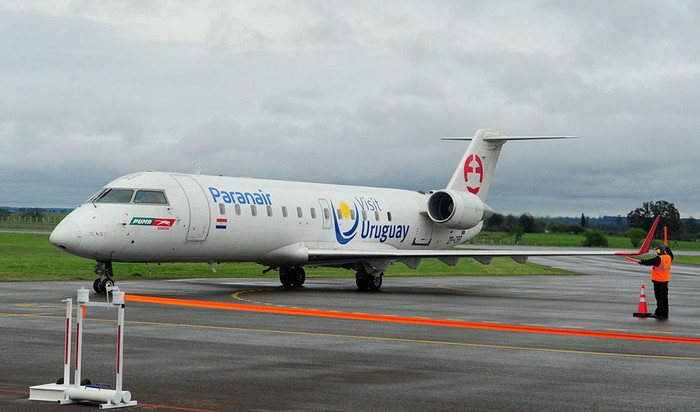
(229, 219)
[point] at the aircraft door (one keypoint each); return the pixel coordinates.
(325, 213)
(200, 215)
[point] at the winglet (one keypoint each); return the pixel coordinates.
(647, 242)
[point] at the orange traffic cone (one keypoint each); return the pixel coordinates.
(642, 311)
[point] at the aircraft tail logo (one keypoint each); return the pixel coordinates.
(473, 173)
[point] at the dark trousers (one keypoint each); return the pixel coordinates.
(661, 295)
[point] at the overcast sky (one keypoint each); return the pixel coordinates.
(355, 92)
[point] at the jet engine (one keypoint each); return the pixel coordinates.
(457, 210)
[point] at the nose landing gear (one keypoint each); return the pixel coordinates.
(104, 269)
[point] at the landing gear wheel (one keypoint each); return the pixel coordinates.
(292, 276)
(96, 286)
(361, 282)
(285, 277)
(299, 276)
(375, 282)
(104, 269)
(365, 281)
(106, 283)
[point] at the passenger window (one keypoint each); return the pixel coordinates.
(352, 215)
(115, 196)
(388, 216)
(150, 196)
(284, 211)
(237, 209)
(364, 215)
(326, 214)
(253, 210)
(300, 213)
(376, 215)
(269, 211)
(222, 209)
(339, 214)
(313, 213)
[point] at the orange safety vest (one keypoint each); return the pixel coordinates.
(662, 273)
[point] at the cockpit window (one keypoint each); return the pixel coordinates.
(97, 195)
(150, 196)
(114, 196)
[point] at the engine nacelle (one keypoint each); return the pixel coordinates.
(457, 210)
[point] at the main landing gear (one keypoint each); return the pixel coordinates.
(366, 277)
(368, 280)
(104, 269)
(292, 276)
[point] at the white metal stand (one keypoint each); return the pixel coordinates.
(65, 393)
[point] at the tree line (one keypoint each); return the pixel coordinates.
(635, 225)
(27, 214)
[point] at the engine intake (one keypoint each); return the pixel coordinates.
(457, 210)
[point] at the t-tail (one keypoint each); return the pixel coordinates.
(462, 204)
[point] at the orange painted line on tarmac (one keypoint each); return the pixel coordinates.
(14, 392)
(408, 320)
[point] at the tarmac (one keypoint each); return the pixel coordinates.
(426, 343)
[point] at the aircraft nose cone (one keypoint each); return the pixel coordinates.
(67, 235)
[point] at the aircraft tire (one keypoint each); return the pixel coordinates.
(96, 285)
(298, 276)
(360, 282)
(365, 281)
(106, 282)
(286, 277)
(374, 282)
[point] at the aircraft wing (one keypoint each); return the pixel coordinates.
(412, 257)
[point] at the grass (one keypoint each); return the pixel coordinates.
(26, 226)
(28, 256)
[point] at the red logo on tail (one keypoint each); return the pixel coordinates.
(470, 171)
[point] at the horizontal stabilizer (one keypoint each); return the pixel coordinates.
(504, 138)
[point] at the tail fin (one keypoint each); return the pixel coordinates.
(475, 171)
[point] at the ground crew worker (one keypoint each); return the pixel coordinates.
(660, 276)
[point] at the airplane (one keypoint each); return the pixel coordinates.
(161, 217)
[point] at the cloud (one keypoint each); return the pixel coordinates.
(355, 93)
